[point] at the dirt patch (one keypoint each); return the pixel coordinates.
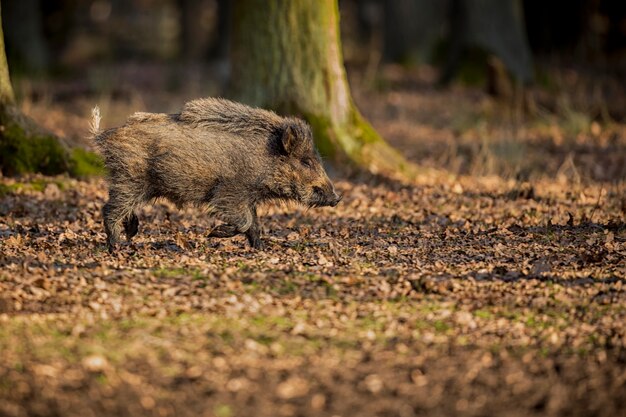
(475, 295)
(445, 298)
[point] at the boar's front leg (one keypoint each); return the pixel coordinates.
(254, 232)
(237, 222)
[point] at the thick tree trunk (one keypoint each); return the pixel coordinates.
(26, 147)
(496, 26)
(286, 55)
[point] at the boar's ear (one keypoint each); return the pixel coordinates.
(289, 139)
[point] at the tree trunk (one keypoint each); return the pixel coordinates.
(495, 26)
(499, 27)
(412, 28)
(286, 55)
(24, 35)
(6, 91)
(192, 43)
(26, 147)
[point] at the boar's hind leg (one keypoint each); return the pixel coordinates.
(242, 222)
(131, 226)
(112, 225)
(117, 216)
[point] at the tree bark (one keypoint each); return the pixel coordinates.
(6, 91)
(286, 55)
(24, 35)
(412, 28)
(497, 27)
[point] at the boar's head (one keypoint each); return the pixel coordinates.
(299, 174)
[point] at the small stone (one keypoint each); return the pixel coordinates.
(373, 383)
(292, 388)
(95, 363)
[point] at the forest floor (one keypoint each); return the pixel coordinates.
(495, 288)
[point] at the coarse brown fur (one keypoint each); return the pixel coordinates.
(216, 152)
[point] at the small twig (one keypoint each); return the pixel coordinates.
(596, 205)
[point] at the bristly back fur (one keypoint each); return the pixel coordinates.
(228, 115)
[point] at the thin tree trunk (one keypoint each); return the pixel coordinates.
(6, 91)
(286, 55)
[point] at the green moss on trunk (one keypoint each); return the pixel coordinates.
(23, 150)
(26, 148)
(357, 143)
(85, 164)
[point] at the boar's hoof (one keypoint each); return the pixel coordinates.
(224, 230)
(131, 226)
(257, 243)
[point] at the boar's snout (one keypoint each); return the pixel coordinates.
(335, 199)
(325, 197)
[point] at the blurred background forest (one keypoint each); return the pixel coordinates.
(492, 284)
(471, 86)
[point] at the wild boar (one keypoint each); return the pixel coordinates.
(217, 153)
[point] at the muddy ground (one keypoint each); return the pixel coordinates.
(494, 287)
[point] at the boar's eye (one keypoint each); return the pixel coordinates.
(307, 163)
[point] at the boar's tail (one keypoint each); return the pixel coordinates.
(94, 125)
(95, 133)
